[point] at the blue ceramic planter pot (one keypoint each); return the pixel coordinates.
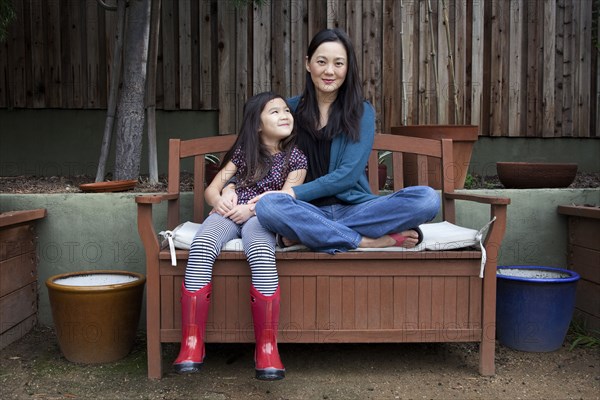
(534, 306)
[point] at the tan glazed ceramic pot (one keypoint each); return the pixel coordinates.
(96, 313)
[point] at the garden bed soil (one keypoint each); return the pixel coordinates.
(70, 184)
(33, 368)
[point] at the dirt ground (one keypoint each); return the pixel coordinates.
(33, 368)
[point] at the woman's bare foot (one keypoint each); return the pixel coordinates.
(285, 242)
(412, 237)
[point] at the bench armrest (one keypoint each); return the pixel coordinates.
(146, 228)
(479, 198)
(156, 198)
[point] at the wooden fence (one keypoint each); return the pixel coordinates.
(514, 67)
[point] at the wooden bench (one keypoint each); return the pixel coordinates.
(380, 296)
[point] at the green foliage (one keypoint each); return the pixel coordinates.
(580, 336)
(469, 182)
(7, 16)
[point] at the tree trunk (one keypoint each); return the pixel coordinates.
(151, 92)
(112, 96)
(130, 108)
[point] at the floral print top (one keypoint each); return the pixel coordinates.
(276, 177)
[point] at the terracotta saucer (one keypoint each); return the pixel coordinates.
(111, 186)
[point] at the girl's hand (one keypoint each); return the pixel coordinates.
(228, 193)
(223, 206)
(226, 201)
(240, 213)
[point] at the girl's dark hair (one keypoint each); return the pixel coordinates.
(257, 157)
(347, 109)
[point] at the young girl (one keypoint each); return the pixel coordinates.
(263, 158)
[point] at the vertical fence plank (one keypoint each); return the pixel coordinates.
(92, 50)
(568, 40)
(434, 61)
(54, 49)
(185, 55)
(298, 46)
(262, 57)
(38, 65)
(499, 70)
(461, 22)
(226, 37)
(72, 57)
(424, 54)
(532, 67)
(372, 56)
(281, 45)
(207, 44)
(243, 84)
(27, 64)
(516, 84)
(317, 16)
(392, 61)
(169, 54)
(354, 28)
(548, 83)
(477, 46)
(4, 75)
(16, 61)
(102, 89)
(582, 125)
(410, 62)
(595, 130)
(443, 39)
(336, 14)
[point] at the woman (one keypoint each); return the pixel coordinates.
(335, 210)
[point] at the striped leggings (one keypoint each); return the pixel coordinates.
(258, 244)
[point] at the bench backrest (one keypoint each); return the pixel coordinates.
(425, 150)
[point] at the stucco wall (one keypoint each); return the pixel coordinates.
(99, 231)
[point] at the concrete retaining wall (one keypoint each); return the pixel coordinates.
(99, 231)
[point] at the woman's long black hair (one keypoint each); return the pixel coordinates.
(256, 155)
(347, 109)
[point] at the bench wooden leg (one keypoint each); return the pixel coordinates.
(154, 359)
(487, 350)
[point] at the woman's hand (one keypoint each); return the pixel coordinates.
(240, 213)
(255, 200)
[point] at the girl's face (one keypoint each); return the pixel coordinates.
(276, 122)
(328, 67)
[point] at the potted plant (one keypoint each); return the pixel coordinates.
(382, 168)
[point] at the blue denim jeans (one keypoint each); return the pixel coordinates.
(341, 227)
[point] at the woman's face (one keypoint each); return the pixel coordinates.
(328, 67)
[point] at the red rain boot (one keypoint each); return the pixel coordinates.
(265, 315)
(194, 312)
